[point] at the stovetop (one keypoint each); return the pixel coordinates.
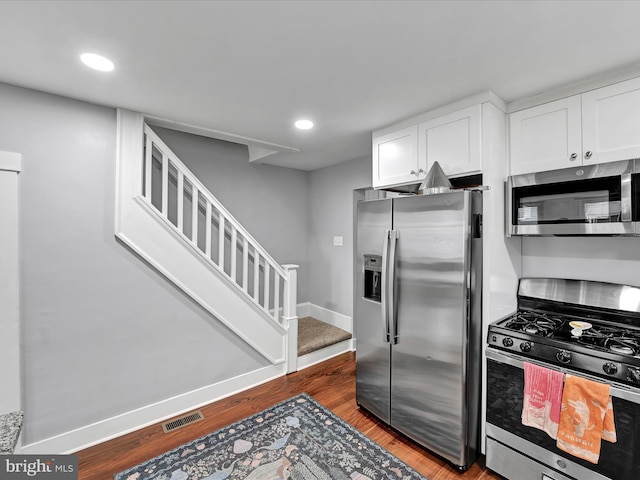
(612, 338)
(606, 351)
(555, 324)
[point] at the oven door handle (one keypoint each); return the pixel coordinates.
(618, 390)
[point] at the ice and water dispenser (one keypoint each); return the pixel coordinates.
(373, 277)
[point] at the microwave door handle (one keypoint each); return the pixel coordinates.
(509, 227)
(385, 281)
(625, 197)
(393, 236)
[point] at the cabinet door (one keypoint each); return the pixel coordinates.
(395, 157)
(611, 122)
(453, 141)
(546, 137)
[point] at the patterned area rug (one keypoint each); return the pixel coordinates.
(297, 439)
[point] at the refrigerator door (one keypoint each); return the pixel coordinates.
(428, 399)
(373, 350)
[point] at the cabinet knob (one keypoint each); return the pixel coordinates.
(588, 154)
(421, 171)
(413, 172)
(573, 156)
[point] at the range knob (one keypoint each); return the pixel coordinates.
(507, 342)
(525, 346)
(610, 368)
(633, 375)
(563, 356)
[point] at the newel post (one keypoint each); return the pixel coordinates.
(290, 316)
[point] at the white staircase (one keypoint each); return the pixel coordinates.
(168, 217)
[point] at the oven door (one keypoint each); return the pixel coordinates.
(590, 200)
(520, 452)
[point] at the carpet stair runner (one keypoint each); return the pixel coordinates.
(314, 335)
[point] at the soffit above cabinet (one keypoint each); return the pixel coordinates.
(581, 86)
(480, 98)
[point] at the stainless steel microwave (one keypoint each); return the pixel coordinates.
(602, 199)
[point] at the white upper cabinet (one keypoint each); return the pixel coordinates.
(404, 155)
(546, 137)
(454, 141)
(598, 126)
(611, 122)
(395, 158)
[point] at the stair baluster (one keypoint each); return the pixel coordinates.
(270, 280)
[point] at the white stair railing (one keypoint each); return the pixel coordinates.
(188, 206)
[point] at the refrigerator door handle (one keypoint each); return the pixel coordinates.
(391, 282)
(385, 282)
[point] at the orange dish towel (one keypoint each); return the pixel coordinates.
(542, 398)
(586, 418)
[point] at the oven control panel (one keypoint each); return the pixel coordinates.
(512, 343)
(606, 368)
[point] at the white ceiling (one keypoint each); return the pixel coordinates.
(251, 68)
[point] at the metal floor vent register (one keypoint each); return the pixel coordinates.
(183, 421)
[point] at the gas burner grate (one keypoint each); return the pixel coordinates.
(535, 323)
(615, 340)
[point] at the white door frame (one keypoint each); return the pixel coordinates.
(10, 398)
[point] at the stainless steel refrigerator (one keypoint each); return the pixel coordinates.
(418, 274)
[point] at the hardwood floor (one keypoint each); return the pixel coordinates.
(331, 383)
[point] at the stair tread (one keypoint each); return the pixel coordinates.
(314, 334)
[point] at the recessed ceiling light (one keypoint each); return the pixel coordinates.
(97, 62)
(304, 124)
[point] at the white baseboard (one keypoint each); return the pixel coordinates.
(336, 319)
(87, 436)
(325, 353)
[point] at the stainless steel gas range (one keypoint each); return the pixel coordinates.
(584, 328)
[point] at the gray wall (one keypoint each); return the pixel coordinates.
(102, 333)
(272, 203)
(605, 259)
(332, 200)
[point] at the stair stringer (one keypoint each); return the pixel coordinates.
(138, 225)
